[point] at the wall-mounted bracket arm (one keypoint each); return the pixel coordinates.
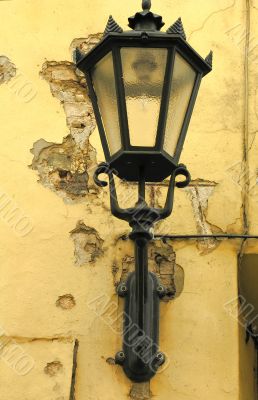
(141, 357)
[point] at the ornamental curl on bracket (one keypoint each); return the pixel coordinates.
(141, 209)
(102, 168)
(182, 170)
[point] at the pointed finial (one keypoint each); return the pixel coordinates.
(177, 28)
(77, 55)
(112, 26)
(146, 5)
(209, 58)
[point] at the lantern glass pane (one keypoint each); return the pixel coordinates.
(104, 85)
(183, 80)
(143, 74)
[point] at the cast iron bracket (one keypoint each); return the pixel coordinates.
(140, 356)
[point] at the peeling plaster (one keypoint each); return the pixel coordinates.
(87, 244)
(140, 391)
(170, 274)
(162, 262)
(69, 87)
(64, 168)
(7, 70)
(66, 302)
(67, 168)
(86, 44)
(199, 191)
(53, 368)
(199, 196)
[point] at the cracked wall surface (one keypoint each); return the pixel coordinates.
(75, 255)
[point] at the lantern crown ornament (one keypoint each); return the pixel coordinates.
(146, 19)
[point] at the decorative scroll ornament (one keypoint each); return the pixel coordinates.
(138, 214)
(177, 28)
(112, 26)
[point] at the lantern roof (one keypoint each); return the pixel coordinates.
(145, 33)
(177, 66)
(143, 39)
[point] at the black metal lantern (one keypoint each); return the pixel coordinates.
(143, 85)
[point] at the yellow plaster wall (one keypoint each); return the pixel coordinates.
(198, 334)
(248, 354)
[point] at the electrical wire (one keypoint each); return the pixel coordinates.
(198, 237)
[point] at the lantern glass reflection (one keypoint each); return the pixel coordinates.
(183, 81)
(143, 77)
(104, 85)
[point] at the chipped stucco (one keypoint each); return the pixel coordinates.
(87, 244)
(66, 302)
(7, 70)
(162, 261)
(140, 391)
(67, 168)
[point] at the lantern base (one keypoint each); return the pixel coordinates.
(157, 165)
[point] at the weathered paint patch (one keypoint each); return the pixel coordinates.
(162, 261)
(64, 168)
(66, 302)
(199, 196)
(87, 244)
(69, 87)
(53, 368)
(86, 44)
(67, 168)
(140, 391)
(170, 275)
(7, 70)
